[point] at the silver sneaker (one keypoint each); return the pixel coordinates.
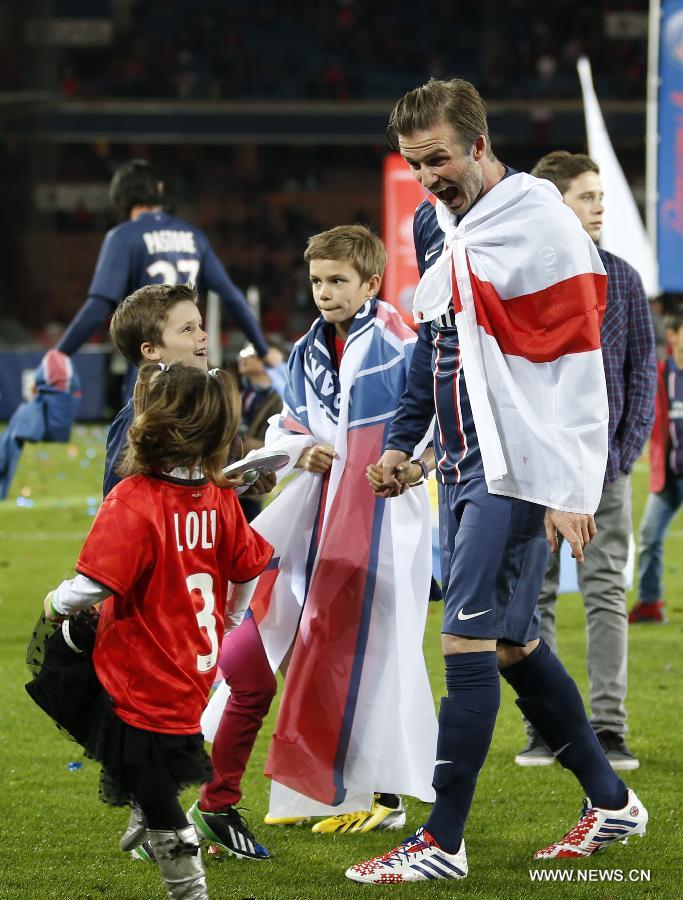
(180, 862)
(136, 832)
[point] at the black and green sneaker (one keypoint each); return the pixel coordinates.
(229, 830)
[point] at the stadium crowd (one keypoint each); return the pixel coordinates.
(346, 50)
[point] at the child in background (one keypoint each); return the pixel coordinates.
(260, 401)
(666, 477)
(161, 551)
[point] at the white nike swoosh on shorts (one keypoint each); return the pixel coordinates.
(463, 616)
(431, 253)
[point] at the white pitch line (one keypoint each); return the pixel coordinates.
(52, 503)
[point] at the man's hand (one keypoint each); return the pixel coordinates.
(317, 458)
(50, 614)
(385, 478)
(273, 358)
(577, 528)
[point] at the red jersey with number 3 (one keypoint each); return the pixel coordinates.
(166, 548)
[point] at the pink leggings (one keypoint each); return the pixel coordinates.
(245, 666)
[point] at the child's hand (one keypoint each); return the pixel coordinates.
(375, 475)
(384, 476)
(317, 458)
(264, 484)
(406, 474)
(49, 610)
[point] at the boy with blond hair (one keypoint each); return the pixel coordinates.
(343, 606)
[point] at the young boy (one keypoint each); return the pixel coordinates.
(156, 323)
(666, 477)
(343, 606)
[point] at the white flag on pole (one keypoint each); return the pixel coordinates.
(623, 231)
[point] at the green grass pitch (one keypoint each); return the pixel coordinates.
(60, 841)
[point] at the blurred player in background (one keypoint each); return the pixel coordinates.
(152, 246)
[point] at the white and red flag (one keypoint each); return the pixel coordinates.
(528, 290)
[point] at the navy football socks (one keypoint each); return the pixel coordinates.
(466, 722)
(551, 701)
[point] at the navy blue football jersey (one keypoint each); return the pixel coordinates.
(436, 383)
(157, 248)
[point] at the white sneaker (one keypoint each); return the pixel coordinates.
(417, 858)
(598, 828)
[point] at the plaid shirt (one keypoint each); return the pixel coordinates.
(628, 351)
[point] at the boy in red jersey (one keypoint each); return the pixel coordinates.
(160, 553)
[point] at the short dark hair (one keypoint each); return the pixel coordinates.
(142, 316)
(673, 318)
(352, 244)
(135, 183)
(456, 102)
(184, 418)
(562, 167)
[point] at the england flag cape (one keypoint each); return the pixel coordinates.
(528, 290)
(348, 586)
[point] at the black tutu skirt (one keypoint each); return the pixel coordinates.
(66, 687)
(64, 683)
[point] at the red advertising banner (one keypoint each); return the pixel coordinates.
(402, 196)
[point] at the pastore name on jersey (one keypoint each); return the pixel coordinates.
(195, 528)
(170, 241)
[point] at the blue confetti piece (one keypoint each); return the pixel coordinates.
(74, 766)
(91, 453)
(25, 502)
(84, 463)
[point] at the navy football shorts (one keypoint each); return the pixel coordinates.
(494, 555)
